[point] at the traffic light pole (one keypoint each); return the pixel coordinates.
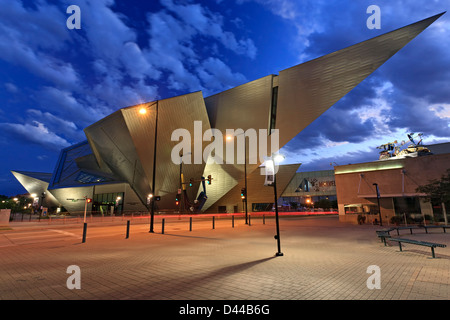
(85, 208)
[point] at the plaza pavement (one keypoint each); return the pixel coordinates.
(323, 260)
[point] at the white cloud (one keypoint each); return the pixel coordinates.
(210, 24)
(23, 43)
(442, 110)
(105, 29)
(218, 75)
(66, 128)
(51, 69)
(11, 87)
(37, 133)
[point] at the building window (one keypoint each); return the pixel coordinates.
(408, 205)
(262, 207)
(222, 209)
(84, 177)
(108, 203)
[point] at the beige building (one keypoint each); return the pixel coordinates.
(397, 181)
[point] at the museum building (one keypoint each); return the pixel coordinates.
(127, 162)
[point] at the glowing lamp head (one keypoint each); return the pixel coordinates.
(278, 158)
(143, 110)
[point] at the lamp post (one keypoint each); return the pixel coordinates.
(181, 182)
(143, 110)
(229, 137)
(277, 158)
(378, 200)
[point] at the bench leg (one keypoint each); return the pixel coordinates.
(400, 246)
(432, 252)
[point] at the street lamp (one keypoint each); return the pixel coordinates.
(229, 138)
(277, 158)
(142, 111)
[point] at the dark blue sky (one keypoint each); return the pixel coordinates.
(54, 81)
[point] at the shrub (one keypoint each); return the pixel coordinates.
(396, 219)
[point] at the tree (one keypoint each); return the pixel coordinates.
(439, 190)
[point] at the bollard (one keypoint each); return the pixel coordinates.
(128, 229)
(249, 220)
(264, 219)
(213, 224)
(162, 227)
(84, 232)
(190, 223)
(232, 221)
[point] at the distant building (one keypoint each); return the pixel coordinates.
(397, 181)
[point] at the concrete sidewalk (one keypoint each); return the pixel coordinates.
(323, 259)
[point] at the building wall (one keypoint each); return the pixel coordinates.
(396, 178)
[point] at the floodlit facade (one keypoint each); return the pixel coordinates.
(129, 154)
(397, 181)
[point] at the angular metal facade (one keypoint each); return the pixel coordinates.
(120, 148)
(309, 89)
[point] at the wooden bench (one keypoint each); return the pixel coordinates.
(432, 245)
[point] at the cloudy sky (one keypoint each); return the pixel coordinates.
(55, 81)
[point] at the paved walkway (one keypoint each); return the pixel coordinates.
(323, 259)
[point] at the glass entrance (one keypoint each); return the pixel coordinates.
(108, 203)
